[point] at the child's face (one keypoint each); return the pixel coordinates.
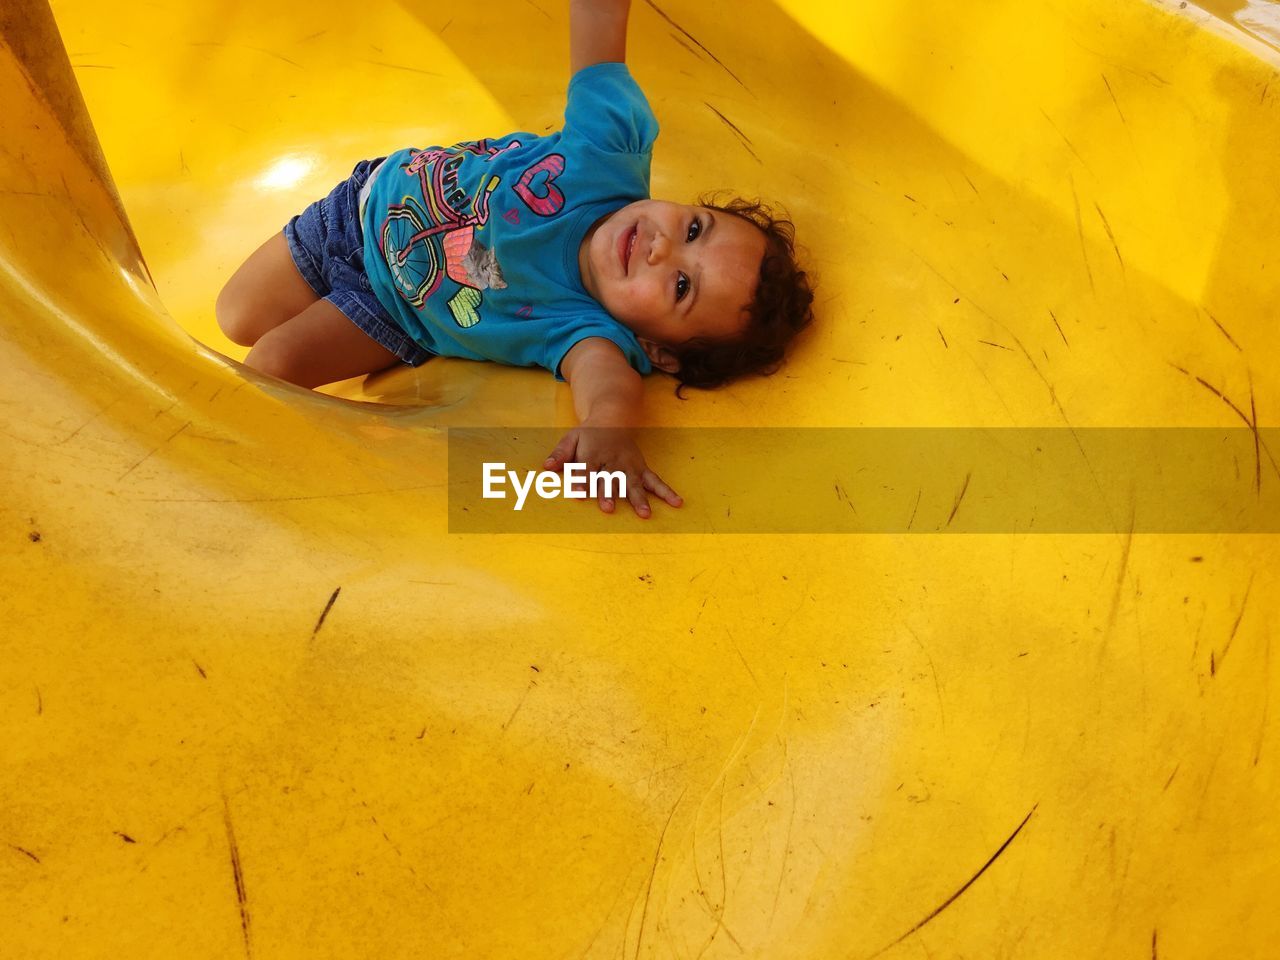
(671, 272)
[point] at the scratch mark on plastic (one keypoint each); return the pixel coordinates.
(333, 598)
(1059, 326)
(959, 496)
(243, 46)
(698, 616)
(715, 910)
(1266, 699)
(1236, 626)
(1084, 249)
(24, 851)
(738, 651)
(1062, 411)
(400, 66)
(1251, 423)
(842, 494)
(539, 9)
(1114, 100)
(1229, 337)
(519, 704)
(742, 137)
(786, 846)
(154, 450)
(1070, 146)
(986, 313)
(1257, 443)
(1106, 225)
(937, 687)
(1119, 591)
(685, 45)
(659, 12)
(396, 847)
(653, 871)
(237, 873)
(86, 423)
(955, 896)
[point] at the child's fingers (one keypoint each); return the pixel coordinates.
(658, 487)
(563, 452)
(639, 502)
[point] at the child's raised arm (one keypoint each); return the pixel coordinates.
(597, 32)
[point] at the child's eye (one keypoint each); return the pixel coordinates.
(695, 230)
(682, 287)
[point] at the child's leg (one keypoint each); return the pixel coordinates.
(304, 303)
(320, 345)
(295, 335)
(266, 291)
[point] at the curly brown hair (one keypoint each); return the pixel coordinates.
(782, 306)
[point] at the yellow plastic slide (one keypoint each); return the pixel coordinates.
(266, 695)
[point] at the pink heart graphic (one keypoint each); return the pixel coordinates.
(550, 200)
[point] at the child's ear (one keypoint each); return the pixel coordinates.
(661, 357)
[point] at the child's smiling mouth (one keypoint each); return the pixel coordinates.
(626, 243)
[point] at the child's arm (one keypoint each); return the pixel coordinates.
(606, 395)
(597, 32)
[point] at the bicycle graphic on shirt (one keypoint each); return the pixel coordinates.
(424, 240)
(413, 244)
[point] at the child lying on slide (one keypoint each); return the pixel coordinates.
(531, 250)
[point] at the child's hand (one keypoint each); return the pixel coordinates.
(613, 449)
(606, 397)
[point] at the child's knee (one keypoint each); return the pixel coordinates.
(235, 316)
(281, 357)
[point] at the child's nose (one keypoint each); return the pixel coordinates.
(659, 249)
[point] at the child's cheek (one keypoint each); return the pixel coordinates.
(625, 299)
(635, 303)
(647, 295)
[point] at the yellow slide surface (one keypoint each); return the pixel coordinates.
(259, 701)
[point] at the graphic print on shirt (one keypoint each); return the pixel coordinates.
(424, 240)
(464, 305)
(540, 193)
(470, 262)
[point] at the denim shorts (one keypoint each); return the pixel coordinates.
(327, 245)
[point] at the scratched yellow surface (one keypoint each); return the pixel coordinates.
(257, 701)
